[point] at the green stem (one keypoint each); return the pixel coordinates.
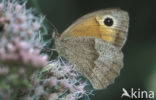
(14, 94)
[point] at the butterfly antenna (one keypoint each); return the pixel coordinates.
(55, 33)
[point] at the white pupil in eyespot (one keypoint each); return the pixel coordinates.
(108, 21)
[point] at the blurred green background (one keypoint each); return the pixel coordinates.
(140, 50)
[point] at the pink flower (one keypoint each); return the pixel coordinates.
(1, 6)
(11, 48)
(80, 88)
(24, 53)
(18, 8)
(53, 81)
(2, 19)
(36, 26)
(66, 69)
(58, 78)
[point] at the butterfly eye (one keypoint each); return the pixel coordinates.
(108, 21)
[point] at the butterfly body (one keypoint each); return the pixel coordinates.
(93, 43)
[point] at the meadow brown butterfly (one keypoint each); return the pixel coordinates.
(93, 44)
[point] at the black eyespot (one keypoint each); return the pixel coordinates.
(108, 21)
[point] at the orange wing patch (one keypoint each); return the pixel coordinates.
(92, 28)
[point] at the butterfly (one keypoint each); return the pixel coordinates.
(93, 44)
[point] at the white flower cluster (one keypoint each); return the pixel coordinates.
(59, 82)
(18, 30)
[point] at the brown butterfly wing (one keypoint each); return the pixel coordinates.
(108, 65)
(91, 25)
(97, 60)
(79, 51)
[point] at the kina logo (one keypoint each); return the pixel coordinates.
(137, 93)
